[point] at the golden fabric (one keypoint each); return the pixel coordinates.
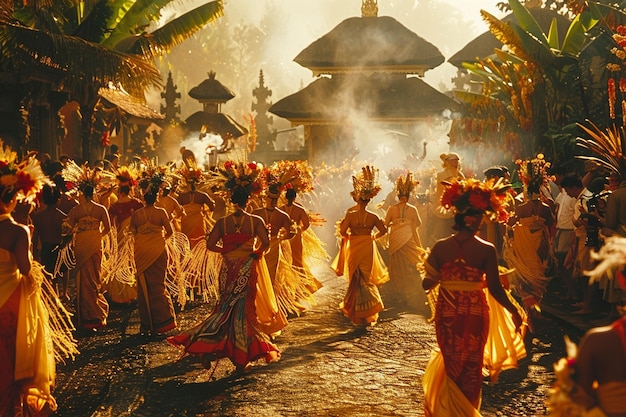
(365, 269)
(93, 308)
(527, 253)
(34, 365)
(192, 224)
(442, 397)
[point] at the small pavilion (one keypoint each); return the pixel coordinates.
(369, 66)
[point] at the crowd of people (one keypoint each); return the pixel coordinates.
(238, 237)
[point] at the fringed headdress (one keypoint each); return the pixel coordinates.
(533, 173)
(405, 185)
(488, 197)
(78, 178)
(365, 183)
(294, 174)
(276, 178)
(241, 175)
(191, 173)
(24, 179)
(127, 175)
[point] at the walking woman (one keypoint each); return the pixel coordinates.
(405, 249)
(151, 226)
(358, 257)
(462, 265)
(90, 223)
(246, 314)
(31, 331)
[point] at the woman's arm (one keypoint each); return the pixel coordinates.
(214, 237)
(431, 268)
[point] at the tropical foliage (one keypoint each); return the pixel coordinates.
(79, 46)
(534, 85)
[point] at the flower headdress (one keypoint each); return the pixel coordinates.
(488, 197)
(405, 184)
(276, 178)
(25, 178)
(365, 183)
(127, 175)
(533, 173)
(78, 178)
(295, 174)
(241, 175)
(152, 184)
(191, 172)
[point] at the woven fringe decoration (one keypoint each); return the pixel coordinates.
(178, 251)
(59, 322)
(201, 271)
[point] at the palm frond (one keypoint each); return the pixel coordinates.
(77, 59)
(607, 145)
(173, 33)
(131, 16)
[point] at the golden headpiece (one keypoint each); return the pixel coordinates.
(24, 179)
(296, 174)
(405, 185)
(533, 173)
(488, 197)
(78, 178)
(365, 183)
(127, 175)
(241, 175)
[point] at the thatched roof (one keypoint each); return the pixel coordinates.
(380, 97)
(130, 105)
(211, 90)
(484, 45)
(216, 123)
(362, 44)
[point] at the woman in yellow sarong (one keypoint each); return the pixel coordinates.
(89, 222)
(246, 313)
(358, 257)
(27, 340)
(528, 251)
(405, 250)
(148, 225)
(462, 265)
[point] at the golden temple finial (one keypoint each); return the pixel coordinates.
(369, 8)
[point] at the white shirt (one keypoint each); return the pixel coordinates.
(565, 212)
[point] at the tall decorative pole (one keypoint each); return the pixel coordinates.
(171, 110)
(266, 137)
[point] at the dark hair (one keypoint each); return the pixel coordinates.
(124, 189)
(88, 191)
(59, 183)
(239, 196)
(459, 218)
(7, 195)
(50, 195)
(571, 181)
(597, 184)
(150, 197)
(290, 194)
(494, 172)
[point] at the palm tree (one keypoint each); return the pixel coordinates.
(76, 47)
